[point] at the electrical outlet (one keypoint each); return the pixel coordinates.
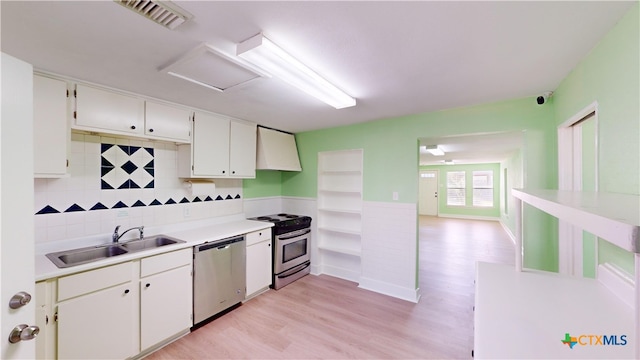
(123, 213)
(186, 212)
(395, 195)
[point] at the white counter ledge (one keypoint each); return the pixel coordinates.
(525, 315)
(193, 234)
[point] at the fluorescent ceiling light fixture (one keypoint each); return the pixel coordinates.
(434, 150)
(448, 162)
(263, 53)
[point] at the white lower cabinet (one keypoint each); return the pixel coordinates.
(98, 325)
(165, 298)
(259, 253)
(118, 311)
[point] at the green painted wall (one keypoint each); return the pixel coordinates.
(267, 183)
(468, 210)
(391, 158)
(610, 75)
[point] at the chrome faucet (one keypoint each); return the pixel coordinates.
(115, 237)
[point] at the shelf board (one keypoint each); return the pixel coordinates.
(336, 249)
(343, 211)
(613, 217)
(337, 230)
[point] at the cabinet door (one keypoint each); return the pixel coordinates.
(258, 266)
(105, 110)
(167, 122)
(210, 145)
(99, 325)
(50, 130)
(242, 152)
(165, 305)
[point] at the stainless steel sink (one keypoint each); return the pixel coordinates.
(80, 256)
(73, 257)
(151, 242)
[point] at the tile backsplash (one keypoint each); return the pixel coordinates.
(114, 181)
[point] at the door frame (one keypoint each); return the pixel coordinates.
(570, 237)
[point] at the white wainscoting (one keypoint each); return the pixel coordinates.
(262, 206)
(389, 249)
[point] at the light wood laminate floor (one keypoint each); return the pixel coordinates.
(325, 317)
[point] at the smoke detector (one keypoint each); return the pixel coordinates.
(164, 13)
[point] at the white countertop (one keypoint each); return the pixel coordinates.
(525, 315)
(193, 234)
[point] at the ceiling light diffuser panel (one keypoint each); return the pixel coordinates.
(266, 55)
(213, 69)
(434, 150)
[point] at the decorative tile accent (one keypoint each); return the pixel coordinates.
(138, 203)
(119, 205)
(47, 210)
(98, 206)
(126, 167)
(73, 208)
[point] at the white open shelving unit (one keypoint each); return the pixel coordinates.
(340, 213)
(527, 313)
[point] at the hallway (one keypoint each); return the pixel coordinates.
(449, 250)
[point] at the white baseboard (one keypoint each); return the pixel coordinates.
(412, 295)
(469, 217)
(341, 273)
(618, 282)
(508, 231)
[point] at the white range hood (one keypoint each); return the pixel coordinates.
(277, 150)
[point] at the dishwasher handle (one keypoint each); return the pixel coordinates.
(221, 245)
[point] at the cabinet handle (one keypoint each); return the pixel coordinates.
(223, 171)
(147, 285)
(233, 172)
(126, 291)
(150, 130)
(269, 244)
(133, 127)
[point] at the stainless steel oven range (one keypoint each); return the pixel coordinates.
(291, 247)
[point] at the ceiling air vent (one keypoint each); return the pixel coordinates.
(164, 13)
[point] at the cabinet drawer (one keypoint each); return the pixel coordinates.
(258, 236)
(159, 263)
(94, 280)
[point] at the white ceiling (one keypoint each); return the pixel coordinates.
(472, 149)
(395, 58)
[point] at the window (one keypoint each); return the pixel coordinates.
(483, 188)
(456, 188)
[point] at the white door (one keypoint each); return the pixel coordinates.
(16, 204)
(578, 169)
(428, 203)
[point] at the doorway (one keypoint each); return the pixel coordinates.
(578, 171)
(428, 193)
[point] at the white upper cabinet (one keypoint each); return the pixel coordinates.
(110, 111)
(221, 148)
(167, 122)
(50, 130)
(242, 150)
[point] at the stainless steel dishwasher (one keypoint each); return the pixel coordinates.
(219, 277)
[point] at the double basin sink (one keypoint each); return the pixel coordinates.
(73, 257)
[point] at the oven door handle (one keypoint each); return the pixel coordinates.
(301, 267)
(295, 234)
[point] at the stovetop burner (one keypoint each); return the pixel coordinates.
(283, 222)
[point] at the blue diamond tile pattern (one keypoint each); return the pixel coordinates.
(126, 167)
